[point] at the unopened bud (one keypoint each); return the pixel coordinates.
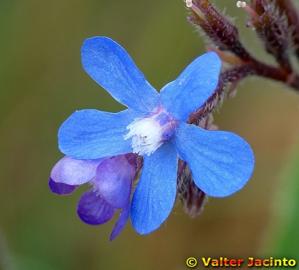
(218, 28)
(241, 4)
(189, 3)
(192, 198)
(272, 28)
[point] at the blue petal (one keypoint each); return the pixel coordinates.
(112, 68)
(93, 210)
(155, 194)
(193, 87)
(92, 134)
(221, 162)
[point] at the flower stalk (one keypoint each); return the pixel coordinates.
(271, 19)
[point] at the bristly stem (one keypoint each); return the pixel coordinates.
(279, 74)
(271, 28)
(287, 8)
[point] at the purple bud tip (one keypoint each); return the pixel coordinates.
(60, 188)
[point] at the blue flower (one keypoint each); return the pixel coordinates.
(154, 126)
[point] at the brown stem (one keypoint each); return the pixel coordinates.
(276, 73)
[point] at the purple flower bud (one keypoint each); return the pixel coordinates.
(61, 188)
(94, 210)
(113, 181)
(111, 191)
(74, 171)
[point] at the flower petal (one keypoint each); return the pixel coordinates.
(111, 67)
(155, 194)
(193, 87)
(74, 171)
(221, 162)
(114, 180)
(61, 188)
(121, 222)
(93, 134)
(94, 210)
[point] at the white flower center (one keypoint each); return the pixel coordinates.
(149, 133)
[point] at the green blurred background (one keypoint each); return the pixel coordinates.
(42, 82)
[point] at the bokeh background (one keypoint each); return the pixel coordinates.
(42, 82)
